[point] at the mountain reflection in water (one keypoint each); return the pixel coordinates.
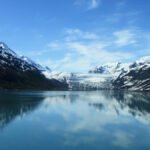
(15, 104)
(75, 120)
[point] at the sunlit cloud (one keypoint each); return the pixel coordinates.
(84, 49)
(80, 50)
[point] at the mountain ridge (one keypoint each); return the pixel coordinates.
(20, 72)
(137, 77)
(110, 76)
(17, 72)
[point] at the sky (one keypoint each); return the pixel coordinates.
(76, 35)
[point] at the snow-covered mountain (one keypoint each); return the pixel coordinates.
(21, 72)
(10, 58)
(137, 77)
(113, 69)
(100, 77)
(132, 76)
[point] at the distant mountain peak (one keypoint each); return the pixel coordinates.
(20, 72)
(10, 58)
(4, 48)
(3, 45)
(145, 59)
(114, 68)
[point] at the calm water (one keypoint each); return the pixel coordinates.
(74, 121)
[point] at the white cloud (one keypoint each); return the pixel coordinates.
(83, 50)
(88, 4)
(124, 37)
(80, 50)
(94, 53)
(76, 34)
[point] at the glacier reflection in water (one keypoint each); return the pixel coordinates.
(74, 120)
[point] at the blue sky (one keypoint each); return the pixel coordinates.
(76, 35)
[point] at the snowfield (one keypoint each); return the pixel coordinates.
(82, 81)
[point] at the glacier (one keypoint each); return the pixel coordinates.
(131, 76)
